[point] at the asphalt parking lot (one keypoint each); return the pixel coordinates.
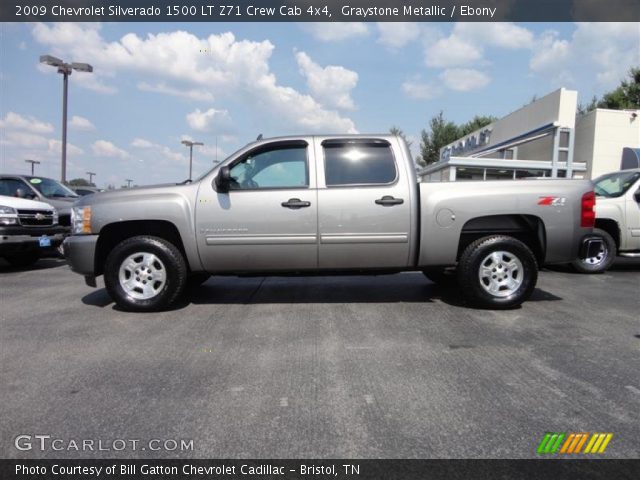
(329, 367)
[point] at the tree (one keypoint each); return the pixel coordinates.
(80, 182)
(397, 131)
(476, 123)
(441, 132)
(592, 105)
(626, 96)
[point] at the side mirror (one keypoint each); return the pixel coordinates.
(223, 179)
(637, 195)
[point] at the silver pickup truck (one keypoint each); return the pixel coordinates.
(328, 204)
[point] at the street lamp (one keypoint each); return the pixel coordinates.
(32, 162)
(128, 180)
(91, 175)
(190, 144)
(65, 69)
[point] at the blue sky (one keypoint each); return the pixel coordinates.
(155, 84)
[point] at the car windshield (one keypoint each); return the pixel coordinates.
(615, 184)
(51, 189)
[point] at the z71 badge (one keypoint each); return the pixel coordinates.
(552, 201)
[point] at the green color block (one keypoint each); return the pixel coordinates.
(556, 446)
(543, 443)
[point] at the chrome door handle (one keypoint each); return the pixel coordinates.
(295, 203)
(388, 200)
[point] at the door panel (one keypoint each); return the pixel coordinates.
(366, 225)
(264, 222)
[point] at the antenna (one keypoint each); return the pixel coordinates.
(259, 137)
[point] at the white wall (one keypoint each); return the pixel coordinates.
(600, 137)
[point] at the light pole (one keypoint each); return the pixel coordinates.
(32, 162)
(190, 144)
(128, 180)
(91, 175)
(65, 69)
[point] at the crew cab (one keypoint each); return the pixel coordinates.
(617, 220)
(328, 204)
(28, 229)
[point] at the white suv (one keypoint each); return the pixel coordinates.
(617, 219)
(27, 230)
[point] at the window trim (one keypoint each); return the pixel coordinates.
(378, 142)
(274, 146)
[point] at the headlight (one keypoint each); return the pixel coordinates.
(55, 217)
(8, 215)
(80, 220)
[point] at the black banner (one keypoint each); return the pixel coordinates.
(319, 469)
(320, 10)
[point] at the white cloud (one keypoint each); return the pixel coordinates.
(141, 143)
(23, 139)
(15, 121)
(466, 44)
(163, 150)
(464, 79)
(219, 63)
(205, 121)
(335, 32)
(103, 148)
(81, 123)
(331, 85)
(418, 89)
(191, 94)
(397, 34)
(497, 34)
(55, 148)
(452, 51)
(611, 49)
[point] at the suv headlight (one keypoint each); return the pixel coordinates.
(80, 220)
(55, 216)
(8, 215)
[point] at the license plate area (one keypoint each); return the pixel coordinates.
(44, 241)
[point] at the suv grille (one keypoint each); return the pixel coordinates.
(35, 218)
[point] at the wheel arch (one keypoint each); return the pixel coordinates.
(529, 229)
(611, 227)
(114, 233)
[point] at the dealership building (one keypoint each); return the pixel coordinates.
(546, 138)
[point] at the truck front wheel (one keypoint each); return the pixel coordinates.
(497, 272)
(145, 274)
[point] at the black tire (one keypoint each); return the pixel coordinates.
(169, 261)
(445, 276)
(515, 279)
(196, 279)
(23, 259)
(601, 262)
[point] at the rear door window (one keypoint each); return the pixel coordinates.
(358, 163)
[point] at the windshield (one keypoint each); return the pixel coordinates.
(615, 184)
(51, 189)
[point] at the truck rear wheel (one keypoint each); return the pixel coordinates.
(602, 260)
(145, 274)
(497, 272)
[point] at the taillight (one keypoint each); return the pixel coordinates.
(587, 213)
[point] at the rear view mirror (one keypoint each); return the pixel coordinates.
(637, 196)
(223, 179)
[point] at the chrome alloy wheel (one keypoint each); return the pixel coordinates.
(142, 275)
(501, 273)
(600, 257)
